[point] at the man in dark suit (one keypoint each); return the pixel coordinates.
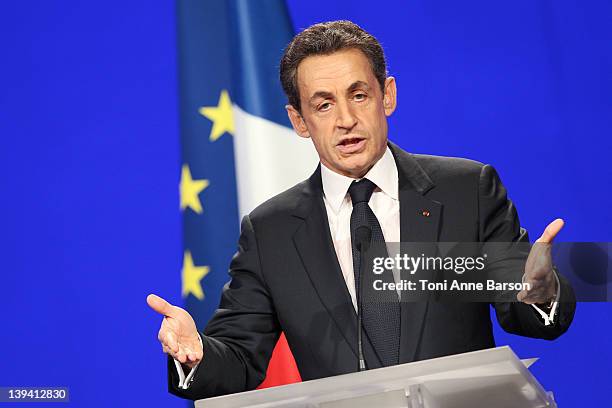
(295, 269)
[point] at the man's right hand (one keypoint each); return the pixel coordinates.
(178, 333)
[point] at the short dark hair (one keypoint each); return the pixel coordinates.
(324, 39)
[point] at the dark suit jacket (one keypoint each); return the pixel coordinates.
(286, 277)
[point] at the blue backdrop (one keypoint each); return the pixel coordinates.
(90, 165)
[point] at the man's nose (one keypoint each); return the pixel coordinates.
(346, 117)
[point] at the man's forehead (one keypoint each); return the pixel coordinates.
(338, 71)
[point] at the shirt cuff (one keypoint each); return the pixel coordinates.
(185, 382)
(549, 317)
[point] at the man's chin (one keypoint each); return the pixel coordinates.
(357, 170)
(354, 166)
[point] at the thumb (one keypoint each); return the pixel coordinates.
(551, 231)
(159, 304)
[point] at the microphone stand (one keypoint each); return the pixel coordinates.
(363, 235)
(362, 366)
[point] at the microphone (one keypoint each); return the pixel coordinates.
(363, 237)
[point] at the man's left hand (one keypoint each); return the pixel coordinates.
(539, 269)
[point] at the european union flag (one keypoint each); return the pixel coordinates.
(237, 147)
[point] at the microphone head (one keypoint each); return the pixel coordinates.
(363, 237)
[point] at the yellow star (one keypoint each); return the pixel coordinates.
(190, 190)
(221, 115)
(192, 275)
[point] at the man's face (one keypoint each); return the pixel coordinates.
(344, 110)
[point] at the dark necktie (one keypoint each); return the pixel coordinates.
(380, 308)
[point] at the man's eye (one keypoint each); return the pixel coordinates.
(324, 106)
(360, 96)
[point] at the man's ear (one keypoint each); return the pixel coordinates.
(390, 96)
(297, 121)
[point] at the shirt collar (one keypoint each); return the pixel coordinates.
(383, 174)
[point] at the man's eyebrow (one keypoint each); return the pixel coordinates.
(358, 85)
(328, 95)
(322, 95)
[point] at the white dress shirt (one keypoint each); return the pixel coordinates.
(385, 205)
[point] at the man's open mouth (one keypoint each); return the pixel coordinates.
(351, 145)
(350, 141)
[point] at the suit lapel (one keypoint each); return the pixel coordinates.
(419, 222)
